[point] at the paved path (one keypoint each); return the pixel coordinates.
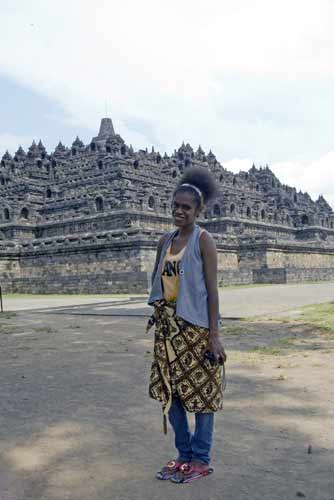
(21, 302)
(272, 299)
(234, 301)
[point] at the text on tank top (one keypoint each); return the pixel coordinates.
(170, 274)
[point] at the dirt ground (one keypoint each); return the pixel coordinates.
(76, 421)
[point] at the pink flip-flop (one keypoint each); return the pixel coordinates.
(168, 470)
(190, 472)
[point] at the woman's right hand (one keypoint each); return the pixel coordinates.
(216, 347)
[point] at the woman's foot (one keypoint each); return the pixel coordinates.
(190, 472)
(168, 470)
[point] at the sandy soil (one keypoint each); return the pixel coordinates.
(76, 421)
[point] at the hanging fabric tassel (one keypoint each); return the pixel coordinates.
(164, 424)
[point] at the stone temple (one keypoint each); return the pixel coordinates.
(86, 219)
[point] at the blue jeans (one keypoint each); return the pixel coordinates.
(191, 447)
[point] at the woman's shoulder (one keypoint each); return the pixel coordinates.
(205, 235)
(206, 239)
(164, 238)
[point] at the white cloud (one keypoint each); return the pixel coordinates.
(11, 142)
(237, 164)
(158, 60)
(163, 66)
(316, 177)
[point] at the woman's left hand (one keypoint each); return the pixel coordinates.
(216, 347)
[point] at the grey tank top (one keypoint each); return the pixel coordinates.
(192, 299)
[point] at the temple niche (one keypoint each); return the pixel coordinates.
(86, 218)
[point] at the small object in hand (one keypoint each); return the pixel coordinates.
(212, 358)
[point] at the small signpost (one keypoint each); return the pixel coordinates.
(1, 300)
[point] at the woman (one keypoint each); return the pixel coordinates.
(186, 370)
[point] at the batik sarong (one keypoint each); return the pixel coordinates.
(179, 367)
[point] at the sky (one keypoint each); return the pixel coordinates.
(250, 80)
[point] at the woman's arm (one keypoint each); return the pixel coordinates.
(157, 258)
(209, 256)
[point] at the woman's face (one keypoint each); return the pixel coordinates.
(184, 209)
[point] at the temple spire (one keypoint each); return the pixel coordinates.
(106, 129)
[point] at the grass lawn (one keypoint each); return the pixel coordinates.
(319, 315)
